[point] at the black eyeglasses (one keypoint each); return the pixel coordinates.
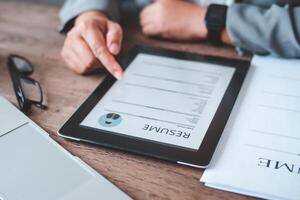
(28, 91)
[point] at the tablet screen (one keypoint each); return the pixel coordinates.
(166, 100)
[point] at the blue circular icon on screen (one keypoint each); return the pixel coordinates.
(110, 120)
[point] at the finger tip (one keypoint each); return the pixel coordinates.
(118, 75)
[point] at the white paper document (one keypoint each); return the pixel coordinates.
(259, 151)
(166, 100)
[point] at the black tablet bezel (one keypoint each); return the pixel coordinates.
(72, 129)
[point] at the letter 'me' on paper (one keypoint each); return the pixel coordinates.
(279, 165)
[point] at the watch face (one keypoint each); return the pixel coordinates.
(215, 22)
(216, 17)
(213, 15)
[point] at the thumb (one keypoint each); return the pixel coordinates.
(114, 37)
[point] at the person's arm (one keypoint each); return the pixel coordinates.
(73, 8)
(265, 31)
(259, 30)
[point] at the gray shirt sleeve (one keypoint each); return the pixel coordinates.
(72, 8)
(275, 30)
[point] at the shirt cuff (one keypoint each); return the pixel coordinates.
(264, 30)
(72, 9)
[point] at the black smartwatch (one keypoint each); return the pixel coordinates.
(215, 21)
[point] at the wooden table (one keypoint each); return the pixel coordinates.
(31, 30)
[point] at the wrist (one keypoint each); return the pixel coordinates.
(204, 31)
(93, 14)
(225, 37)
(201, 32)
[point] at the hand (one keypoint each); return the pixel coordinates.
(93, 41)
(174, 19)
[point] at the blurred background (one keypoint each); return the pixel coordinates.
(53, 2)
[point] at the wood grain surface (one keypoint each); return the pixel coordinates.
(31, 31)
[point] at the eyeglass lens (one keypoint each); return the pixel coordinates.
(22, 65)
(31, 89)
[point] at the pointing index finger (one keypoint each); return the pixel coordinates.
(96, 41)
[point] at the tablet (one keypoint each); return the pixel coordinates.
(170, 105)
